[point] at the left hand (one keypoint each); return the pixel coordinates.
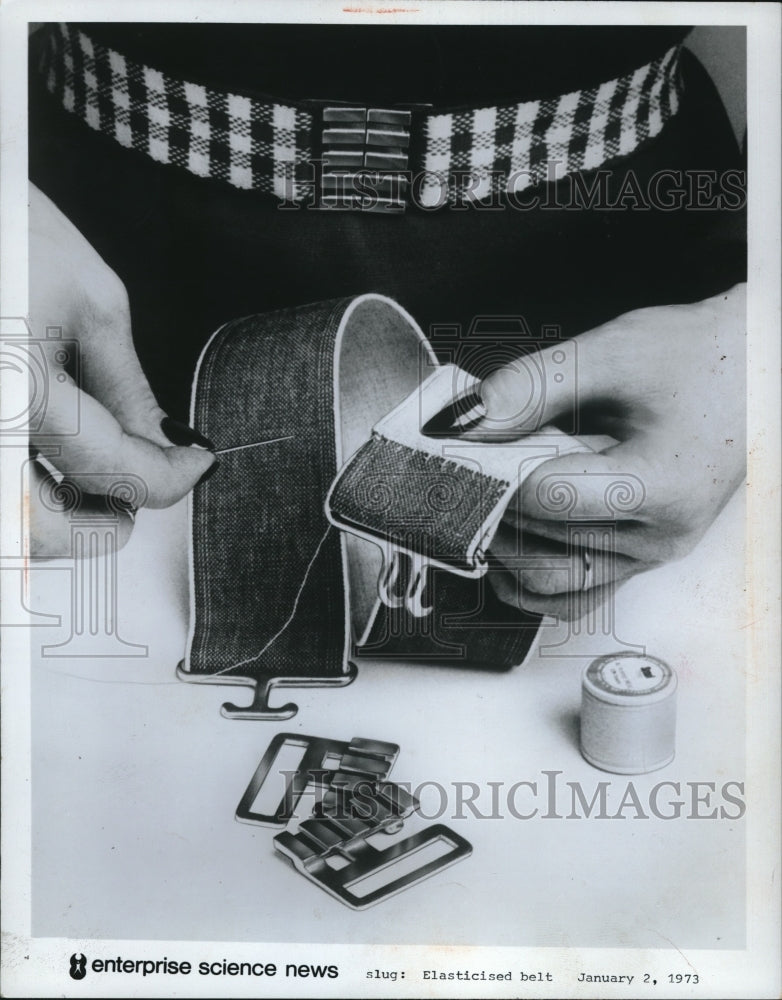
(103, 431)
(668, 384)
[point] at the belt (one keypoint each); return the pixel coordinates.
(279, 596)
(344, 156)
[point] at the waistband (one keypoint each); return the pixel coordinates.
(327, 155)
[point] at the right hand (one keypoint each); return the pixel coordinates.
(119, 436)
(667, 384)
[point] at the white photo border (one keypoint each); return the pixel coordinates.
(33, 966)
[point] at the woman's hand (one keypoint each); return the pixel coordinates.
(102, 433)
(668, 384)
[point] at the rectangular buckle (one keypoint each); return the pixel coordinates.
(335, 845)
(359, 760)
(350, 868)
(364, 158)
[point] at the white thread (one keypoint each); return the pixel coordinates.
(255, 444)
(290, 618)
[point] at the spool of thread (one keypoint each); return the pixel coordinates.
(628, 713)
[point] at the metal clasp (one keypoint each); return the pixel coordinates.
(338, 847)
(417, 581)
(365, 156)
(360, 760)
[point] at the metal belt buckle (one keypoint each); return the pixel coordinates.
(361, 806)
(365, 155)
(350, 868)
(334, 846)
(359, 760)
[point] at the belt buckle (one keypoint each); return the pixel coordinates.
(365, 155)
(337, 847)
(363, 759)
(354, 871)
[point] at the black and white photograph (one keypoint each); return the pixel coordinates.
(390, 499)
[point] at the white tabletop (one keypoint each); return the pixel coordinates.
(136, 777)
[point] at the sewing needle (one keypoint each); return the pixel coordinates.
(255, 444)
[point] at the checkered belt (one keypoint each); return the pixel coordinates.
(307, 152)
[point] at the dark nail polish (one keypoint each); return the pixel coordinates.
(209, 472)
(181, 434)
(460, 415)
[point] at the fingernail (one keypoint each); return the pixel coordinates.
(125, 507)
(209, 472)
(181, 434)
(458, 416)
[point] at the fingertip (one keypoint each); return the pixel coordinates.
(209, 472)
(178, 433)
(186, 467)
(198, 461)
(507, 396)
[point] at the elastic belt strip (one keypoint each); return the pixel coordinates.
(269, 146)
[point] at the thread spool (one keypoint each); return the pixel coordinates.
(628, 713)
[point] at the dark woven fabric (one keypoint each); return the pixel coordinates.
(469, 626)
(268, 582)
(420, 501)
(259, 522)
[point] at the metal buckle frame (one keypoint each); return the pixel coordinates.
(365, 156)
(359, 760)
(332, 847)
(317, 844)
